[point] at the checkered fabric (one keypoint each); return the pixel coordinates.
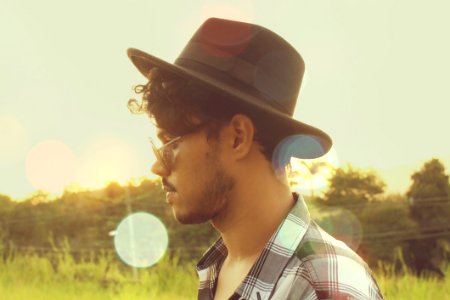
(300, 261)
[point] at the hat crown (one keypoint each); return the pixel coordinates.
(250, 66)
(248, 57)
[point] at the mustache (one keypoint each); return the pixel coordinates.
(167, 184)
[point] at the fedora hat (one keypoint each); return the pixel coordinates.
(251, 66)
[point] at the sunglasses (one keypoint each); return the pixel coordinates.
(164, 154)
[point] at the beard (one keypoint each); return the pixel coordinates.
(215, 192)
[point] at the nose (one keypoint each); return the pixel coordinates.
(159, 169)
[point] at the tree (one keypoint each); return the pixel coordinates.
(429, 201)
(351, 187)
(6, 205)
(114, 190)
(387, 231)
(349, 192)
(429, 184)
(314, 168)
(5, 200)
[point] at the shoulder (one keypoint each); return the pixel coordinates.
(332, 269)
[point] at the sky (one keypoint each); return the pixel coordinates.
(376, 81)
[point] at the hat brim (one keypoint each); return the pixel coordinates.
(286, 125)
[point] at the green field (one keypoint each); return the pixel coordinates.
(59, 276)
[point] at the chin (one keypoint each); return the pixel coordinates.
(192, 219)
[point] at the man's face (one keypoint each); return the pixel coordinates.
(200, 184)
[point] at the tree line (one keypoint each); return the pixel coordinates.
(405, 231)
(411, 230)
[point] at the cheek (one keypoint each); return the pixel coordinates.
(190, 170)
(189, 177)
(190, 160)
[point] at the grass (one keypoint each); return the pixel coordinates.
(59, 276)
(408, 286)
(29, 276)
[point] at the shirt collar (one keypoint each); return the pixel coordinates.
(270, 264)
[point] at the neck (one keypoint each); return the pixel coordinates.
(254, 211)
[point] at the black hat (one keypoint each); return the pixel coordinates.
(250, 65)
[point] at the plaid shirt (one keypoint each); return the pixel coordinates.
(300, 261)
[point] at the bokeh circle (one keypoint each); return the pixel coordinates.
(141, 240)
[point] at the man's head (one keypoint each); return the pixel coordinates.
(209, 142)
(225, 104)
(179, 106)
(250, 67)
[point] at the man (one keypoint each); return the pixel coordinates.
(223, 112)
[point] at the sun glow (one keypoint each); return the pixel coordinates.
(310, 176)
(106, 160)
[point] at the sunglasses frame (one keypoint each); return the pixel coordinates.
(160, 152)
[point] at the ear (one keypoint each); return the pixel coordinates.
(240, 135)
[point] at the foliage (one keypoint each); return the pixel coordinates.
(5, 201)
(385, 228)
(352, 187)
(85, 219)
(429, 197)
(430, 181)
(6, 205)
(387, 232)
(380, 227)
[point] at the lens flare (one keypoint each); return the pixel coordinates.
(141, 240)
(50, 165)
(300, 145)
(309, 174)
(343, 225)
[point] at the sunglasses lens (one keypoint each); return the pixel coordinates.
(156, 152)
(164, 154)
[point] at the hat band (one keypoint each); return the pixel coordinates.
(241, 72)
(220, 60)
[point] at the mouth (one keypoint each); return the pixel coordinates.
(167, 186)
(168, 189)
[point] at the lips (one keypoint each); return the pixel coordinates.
(167, 186)
(168, 189)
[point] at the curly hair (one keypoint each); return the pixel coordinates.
(174, 103)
